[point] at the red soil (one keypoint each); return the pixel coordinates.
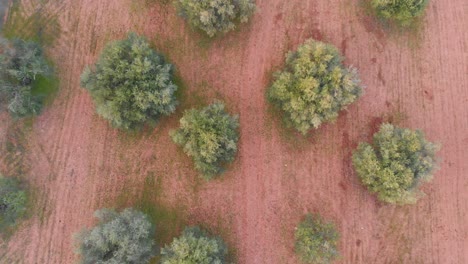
(78, 163)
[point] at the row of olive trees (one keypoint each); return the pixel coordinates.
(215, 17)
(22, 63)
(127, 237)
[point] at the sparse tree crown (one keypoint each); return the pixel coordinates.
(21, 64)
(13, 201)
(316, 240)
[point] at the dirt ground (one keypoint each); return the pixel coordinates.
(76, 163)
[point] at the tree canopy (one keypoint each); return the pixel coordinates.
(402, 12)
(314, 86)
(13, 202)
(216, 16)
(194, 246)
(394, 165)
(21, 64)
(131, 84)
(316, 240)
(209, 136)
(119, 238)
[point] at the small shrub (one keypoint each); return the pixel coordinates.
(124, 238)
(314, 86)
(316, 241)
(216, 16)
(131, 84)
(22, 63)
(209, 136)
(395, 164)
(13, 202)
(401, 12)
(194, 247)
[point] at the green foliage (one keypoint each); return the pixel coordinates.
(209, 136)
(402, 12)
(195, 247)
(395, 164)
(314, 86)
(316, 241)
(22, 64)
(120, 238)
(13, 202)
(131, 84)
(216, 16)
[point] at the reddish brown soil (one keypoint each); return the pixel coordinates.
(78, 163)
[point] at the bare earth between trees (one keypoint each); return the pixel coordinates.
(77, 162)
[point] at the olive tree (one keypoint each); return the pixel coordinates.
(395, 164)
(401, 12)
(216, 16)
(313, 86)
(124, 238)
(131, 84)
(194, 246)
(209, 136)
(316, 240)
(13, 202)
(21, 63)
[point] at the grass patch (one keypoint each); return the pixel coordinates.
(169, 222)
(39, 26)
(15, 149)
(45, 88)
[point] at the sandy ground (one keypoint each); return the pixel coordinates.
(77, 163)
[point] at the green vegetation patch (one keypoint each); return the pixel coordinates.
(40, 26)
(314, 86)
(216, 16)
(131, 84)
(316, 240)
(395, 164)
(13, 202)
(26, 79)
(209, 136)
(195, 246)
(119, 237)
(400, 12)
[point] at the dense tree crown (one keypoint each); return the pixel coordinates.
(314, 86)
(195, 247)
(402, 12)
(316, 240)
(21, 64)
(131, 84)
(119, 238)
(395, 163)
(13, 201)
(216, 16)
(209, 136)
